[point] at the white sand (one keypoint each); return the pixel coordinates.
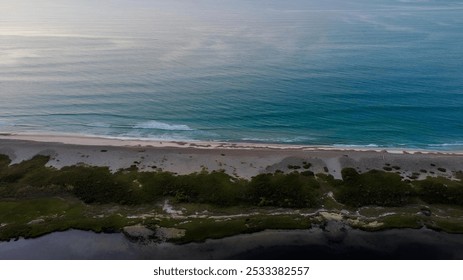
(239, 159)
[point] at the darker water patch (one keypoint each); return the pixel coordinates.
(403, 244)
(413, 251)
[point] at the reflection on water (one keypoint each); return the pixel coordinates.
(350, 72)
(297, 244)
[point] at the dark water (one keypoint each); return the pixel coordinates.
(334, 72)
(299, 244)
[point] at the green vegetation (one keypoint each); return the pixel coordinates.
(293, 166)
(373, 188)
(447, 225)
(306, 165)
(440, 190)
(401, 221)
(32, 179)
(201, 229)
(35, 217)
(284, 190)
(27, 179)
(36, 199)
(129, 187)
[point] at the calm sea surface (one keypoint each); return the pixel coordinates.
(336, 72)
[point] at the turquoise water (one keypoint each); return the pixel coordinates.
(356, 72)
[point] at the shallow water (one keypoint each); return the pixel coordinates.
(297, 244)
(335, 72)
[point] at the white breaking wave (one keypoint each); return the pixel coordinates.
(162, 126)
(356, 146)
(296, 139)
(458, 144)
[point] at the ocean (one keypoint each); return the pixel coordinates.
(338, 72)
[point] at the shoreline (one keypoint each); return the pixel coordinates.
(241, 160)
(95, 140)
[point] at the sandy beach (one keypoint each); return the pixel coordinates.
(243, 160)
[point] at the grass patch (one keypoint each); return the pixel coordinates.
(35, 217)
(198, 230)
(401, 221)
(447, 225)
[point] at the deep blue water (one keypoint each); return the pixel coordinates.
(337, 72)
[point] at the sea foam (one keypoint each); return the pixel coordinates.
(162, 126)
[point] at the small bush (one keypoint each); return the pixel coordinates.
(294, 167)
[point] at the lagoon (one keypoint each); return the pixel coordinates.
(271, 244)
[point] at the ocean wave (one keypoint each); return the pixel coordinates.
(133, 135)
(297, 139)
(162, 126)
(446, 145)
(98, 124)
(356, 145)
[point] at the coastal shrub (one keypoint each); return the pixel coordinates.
(216, 187)
(37, 174)
(329, 180)
(29, 178)
(440, 190)
(306, 165)
(459, 175)
(4, 162)
(373, 188)
(293, 166)
(32, 167)
(95, 185)
(157, 184)
(307, 173)
(283, 190)
(349, 175)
